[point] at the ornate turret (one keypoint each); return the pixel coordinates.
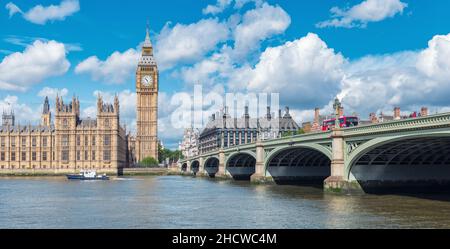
(8, 118)
(147, 42)
(58, 104)
(46, 107)
(46, 117)
(116, 104)
(99, 103)
(147, 51)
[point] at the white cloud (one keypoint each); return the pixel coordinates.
(116, 69)
(41, 15)
(39, 61)
(361, 14)
(51, 93)
(127, 101)
(186, 43)
(257, 25)
(304, 71)
(408, 79)
(13, 9)
(209, 71)
(434, 61)
(221, 5)
(307, 74)
(24, 114)
(27, 40)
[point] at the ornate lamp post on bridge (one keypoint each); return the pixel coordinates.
(337, 178)
(337, 106)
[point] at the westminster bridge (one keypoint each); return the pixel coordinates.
(412, 153)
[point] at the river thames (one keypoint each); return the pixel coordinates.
(187, 202)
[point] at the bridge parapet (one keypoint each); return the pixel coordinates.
(438, 120)
(308, 137)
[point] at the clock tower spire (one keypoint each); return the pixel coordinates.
(147, 86)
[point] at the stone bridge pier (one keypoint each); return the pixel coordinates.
(260, 167)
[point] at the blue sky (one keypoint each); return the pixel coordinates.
(373, 54)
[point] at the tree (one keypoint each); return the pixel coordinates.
(165, 153)
(293, 133)
(149, 162)
(300, 131)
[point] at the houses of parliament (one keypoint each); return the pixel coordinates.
(69, 144)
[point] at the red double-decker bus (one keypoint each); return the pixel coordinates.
(344, 122)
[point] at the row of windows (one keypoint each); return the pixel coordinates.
(64, 141)
(64, 156)
(106, 155)
(106, 140)
(44, 142)
(23, 156)
(44, 167)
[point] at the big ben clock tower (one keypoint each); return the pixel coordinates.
(147, 103)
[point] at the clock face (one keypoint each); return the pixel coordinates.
(147, 80)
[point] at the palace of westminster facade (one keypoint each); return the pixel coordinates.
(70, 144)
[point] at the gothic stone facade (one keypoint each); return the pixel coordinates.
(71, 144)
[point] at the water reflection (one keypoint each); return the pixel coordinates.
(186, 202)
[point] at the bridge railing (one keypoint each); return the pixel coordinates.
(410, 123)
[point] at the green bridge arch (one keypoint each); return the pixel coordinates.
(374, 143)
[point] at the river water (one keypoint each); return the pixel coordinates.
(186, 202)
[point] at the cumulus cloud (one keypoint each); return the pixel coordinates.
(42, 14)
(220, 6)
(53, 92)
(257, 25)
(210, 71)
(303, 71)
(41, 60)
(409, 79)
(116, 69)
(227, 64)
(434, 61)
(307, 74)
(22, 112)
(361, 14)
(186, 43)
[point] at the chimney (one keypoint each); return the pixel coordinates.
(268, 116)
(373, 118)
(316, 115)
(424, 112)
(397, 113)
(341, 111)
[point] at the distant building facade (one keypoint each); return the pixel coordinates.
(381, 118)
(225, 131)
(189, 146)
(316, 125)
